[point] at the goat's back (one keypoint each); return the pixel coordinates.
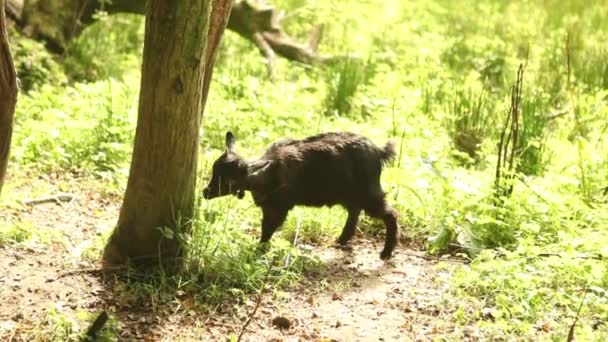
(327, 169)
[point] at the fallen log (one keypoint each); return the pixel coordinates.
(59, 22)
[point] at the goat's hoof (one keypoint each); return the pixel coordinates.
(262, 247)
(344, 240)
(386, 254)
(343, 246)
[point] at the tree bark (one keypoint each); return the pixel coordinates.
(8, 95)
(60, 21)
(180, 46)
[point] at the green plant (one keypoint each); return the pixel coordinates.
(121, 38)
(89, 133)
(523, 293)
(470, 120)
(592, 71)
(14, 233)
(109, 144)
(343, 79)
(532, 149)
(34, 64)
(65, 326)
(221, 263)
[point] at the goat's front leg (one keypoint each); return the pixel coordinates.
(273, 219)
(350, 226)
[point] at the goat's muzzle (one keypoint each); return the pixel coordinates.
(207, 194)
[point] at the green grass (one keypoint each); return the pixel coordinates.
(14, 233)
(436, 74)
(24, 233)
(68, 326)
(470, 120)
(532, 151)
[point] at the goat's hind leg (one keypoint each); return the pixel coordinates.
(380, 209)
(350, 227)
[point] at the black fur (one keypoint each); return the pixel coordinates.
(326, 169)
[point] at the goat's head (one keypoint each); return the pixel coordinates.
(229, 173)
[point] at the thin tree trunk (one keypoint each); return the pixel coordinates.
(180, 45)
(8, 95)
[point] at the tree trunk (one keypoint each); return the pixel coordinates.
(8, 95)
(59, 21)
(180, 45)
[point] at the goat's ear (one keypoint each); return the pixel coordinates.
(230, 141)
(257, 168)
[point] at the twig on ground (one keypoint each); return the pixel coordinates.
(74, 272)
(578, 312)
(257, 302)
(96, 327)
(577, 256)
(596, 256)
(556, 114)
(58, 198)
(92, 271)
(434, 258)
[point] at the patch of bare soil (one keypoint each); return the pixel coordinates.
(32, 274)
(356, 297)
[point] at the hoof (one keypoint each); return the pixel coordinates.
(386, 254)
(262, 247)
(344, 247)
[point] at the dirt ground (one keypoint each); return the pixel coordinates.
(356, 297)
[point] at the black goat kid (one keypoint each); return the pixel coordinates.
(326, 169)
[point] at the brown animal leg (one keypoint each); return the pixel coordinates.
(273, 219)
(351, 226)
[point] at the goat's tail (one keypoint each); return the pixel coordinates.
(388, 152)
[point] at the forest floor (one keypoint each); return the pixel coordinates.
(354, 297)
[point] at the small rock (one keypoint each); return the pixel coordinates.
(281, 322)
(336, 296)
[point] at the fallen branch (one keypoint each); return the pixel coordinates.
(257, 302)
(48, 199)
(585, 256)
(556, 114)
(499, 254)
(59, 22)
(14, 8)
(435, 258)
(578, 312)
(96, 327)
(92, 271)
